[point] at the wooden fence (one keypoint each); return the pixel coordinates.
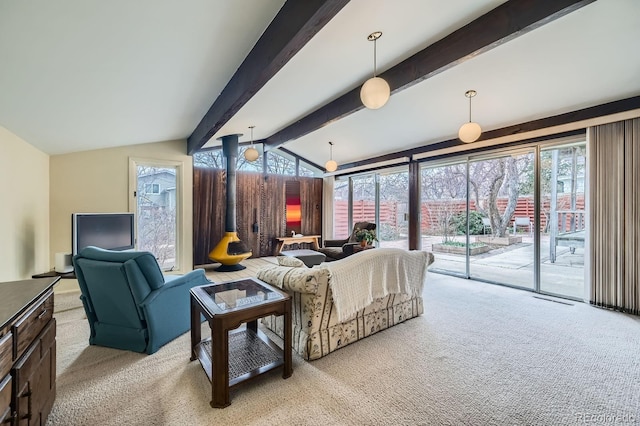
(392, 213)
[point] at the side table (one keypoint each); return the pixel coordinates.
(232, 354)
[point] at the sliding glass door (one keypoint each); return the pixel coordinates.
(443, 216)
(482, 219)
(501, 219)
(393, 225)
(341, 228)
(363, 204)
(562, 231)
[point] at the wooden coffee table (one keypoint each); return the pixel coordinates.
(232, 354)
(287, 241)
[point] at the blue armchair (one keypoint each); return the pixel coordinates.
(129, 303)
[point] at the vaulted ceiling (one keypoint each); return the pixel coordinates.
(82, 75)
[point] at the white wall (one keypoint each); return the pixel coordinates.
(24, 208)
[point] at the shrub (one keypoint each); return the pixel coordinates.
(459, 222)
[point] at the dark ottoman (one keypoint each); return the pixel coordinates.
(309, 257)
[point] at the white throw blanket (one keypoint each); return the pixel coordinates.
(357, 280)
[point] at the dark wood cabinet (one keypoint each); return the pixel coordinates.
(5, 399)
(27, 351)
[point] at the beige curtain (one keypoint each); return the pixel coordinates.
(615, 215)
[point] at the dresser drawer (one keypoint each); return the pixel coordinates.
(6, 353)
(31, 324)
(34, 376)
(5, 398)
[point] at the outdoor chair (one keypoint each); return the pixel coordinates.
(129, 303)
(339, 249)
(522, 222)
(486, 225)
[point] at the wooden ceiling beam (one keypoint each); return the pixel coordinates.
(504, 23)
(294, 25)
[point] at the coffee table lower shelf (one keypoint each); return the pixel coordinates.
(251, 353)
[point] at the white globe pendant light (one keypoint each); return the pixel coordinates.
(331, 166)
(375, 92)
(251, 154)
(470, 132)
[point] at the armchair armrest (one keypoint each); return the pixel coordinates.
(197, 277)
(348, 248)
(167, 309)
(174, 284)
(335, 243)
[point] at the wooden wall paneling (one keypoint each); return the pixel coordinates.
(259, 195)
(200, 211)
(273, 209)
(311, 204)
(248, 208)
(208, 211)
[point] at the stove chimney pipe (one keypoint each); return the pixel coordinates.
(230, 250)
(230, 152)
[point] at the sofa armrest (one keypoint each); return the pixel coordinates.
(335, 243)
(299, 280)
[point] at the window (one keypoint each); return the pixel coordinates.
(215, 159)
(212, 158)
(151, 188)
(341, 209)
(280, 164)
(306, 169)
(155, 201)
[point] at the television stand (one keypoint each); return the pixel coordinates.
(51, 274)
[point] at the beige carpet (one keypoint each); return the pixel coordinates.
(481, 355)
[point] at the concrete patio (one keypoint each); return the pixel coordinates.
(513, 265)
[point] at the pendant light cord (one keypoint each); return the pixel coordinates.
(374, 56)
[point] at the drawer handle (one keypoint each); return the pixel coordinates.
(42, 314)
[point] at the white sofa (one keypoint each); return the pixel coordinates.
(375, 290)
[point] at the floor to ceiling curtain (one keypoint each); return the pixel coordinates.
(615, 213)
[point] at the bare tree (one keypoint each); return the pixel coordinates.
(156, 213)
(215, 159)
(494, 178)
(280, 165)
(212, 158)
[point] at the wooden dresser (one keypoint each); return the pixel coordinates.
(27, 351)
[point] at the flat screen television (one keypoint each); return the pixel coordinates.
(112, 231)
